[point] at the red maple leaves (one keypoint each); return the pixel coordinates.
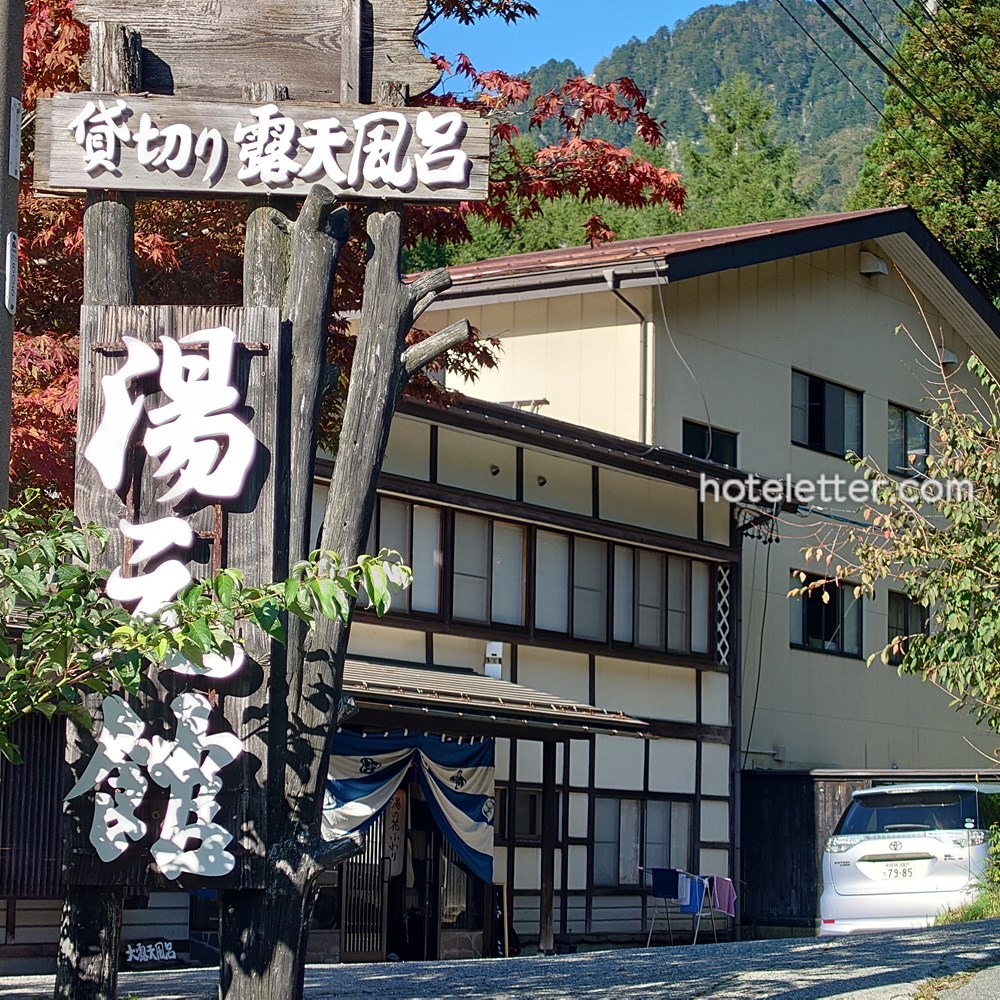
(192, 251)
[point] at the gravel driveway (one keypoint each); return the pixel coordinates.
(870, 967)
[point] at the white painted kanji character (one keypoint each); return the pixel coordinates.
(381, 152)
(168, 947)
(327, 137)
(171, 146)
(445, 162)
(211, 137)
(190, 840)
(267, 147)
(187, 765)
(101, 131)
(211, 449)
(108, 448)
(131, 954)
(155, 589)
(117, 765)
(176, 148)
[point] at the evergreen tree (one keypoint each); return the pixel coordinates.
(938, 147)
(739, 172)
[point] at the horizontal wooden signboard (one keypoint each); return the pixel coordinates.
(216, 47)
(177, 147)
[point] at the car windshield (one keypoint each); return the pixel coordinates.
(897, 812)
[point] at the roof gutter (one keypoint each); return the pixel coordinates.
(646, 334)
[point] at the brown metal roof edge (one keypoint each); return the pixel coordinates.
(523, 704)
(498, 420)
(644, 249)
(688, 255)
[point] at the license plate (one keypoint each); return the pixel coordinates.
(897, 871)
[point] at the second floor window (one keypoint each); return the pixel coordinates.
(483, 570)
(488, 577)
(909, 441)
(702, 441)
(414, 531)
(825, 416)
(831, 626)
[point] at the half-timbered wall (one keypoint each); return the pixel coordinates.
(623, 804)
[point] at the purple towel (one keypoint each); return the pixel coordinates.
(723, 895)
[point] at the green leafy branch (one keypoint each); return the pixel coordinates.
(62, 636)
(943, 554)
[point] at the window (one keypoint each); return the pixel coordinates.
(909, 441)
(488, 570)
(702, 441)
(905, 618)
(526, 817)
(665, 827)
(415, 532)
(589, 591)
(825, 416)
(577, 585)
(661, 601)
(833, 626)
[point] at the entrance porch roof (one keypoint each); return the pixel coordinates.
(463, 703)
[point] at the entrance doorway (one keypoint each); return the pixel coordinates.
(410, 899)
(364, 881)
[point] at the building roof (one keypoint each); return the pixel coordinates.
(470, 704)
(678, 256)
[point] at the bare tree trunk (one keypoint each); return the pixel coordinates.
(90, 934)
(265, 934)
(264, 931)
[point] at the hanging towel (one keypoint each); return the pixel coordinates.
(697, 895)
(683, 887)
(665, 883)
(723, 895)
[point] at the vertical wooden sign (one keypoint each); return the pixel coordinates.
(149, 363)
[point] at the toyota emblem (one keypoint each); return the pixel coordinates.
(895, 846)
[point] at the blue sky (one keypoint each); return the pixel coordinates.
(581, 30)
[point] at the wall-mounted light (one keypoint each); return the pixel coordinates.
(870, 264)
(493, 666)
(494, 470)
(542, 480)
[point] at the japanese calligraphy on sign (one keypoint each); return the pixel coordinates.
(217, 150)
(164, 424)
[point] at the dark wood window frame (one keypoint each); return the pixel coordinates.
(813, 444)
(838, 595)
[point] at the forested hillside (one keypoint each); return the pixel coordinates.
(817, 109)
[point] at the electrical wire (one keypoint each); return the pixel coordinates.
(892, 76)
(907, 88)
(660, 281)
(920, 156)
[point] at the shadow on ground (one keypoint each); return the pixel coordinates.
(870, 967)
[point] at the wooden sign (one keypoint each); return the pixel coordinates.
(180, 457)
(217, 47)
(209, 149)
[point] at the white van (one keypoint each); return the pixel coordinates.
(903, 853)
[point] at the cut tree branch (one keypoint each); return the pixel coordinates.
(419, 355)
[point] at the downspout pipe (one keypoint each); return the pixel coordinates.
(612, 280)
